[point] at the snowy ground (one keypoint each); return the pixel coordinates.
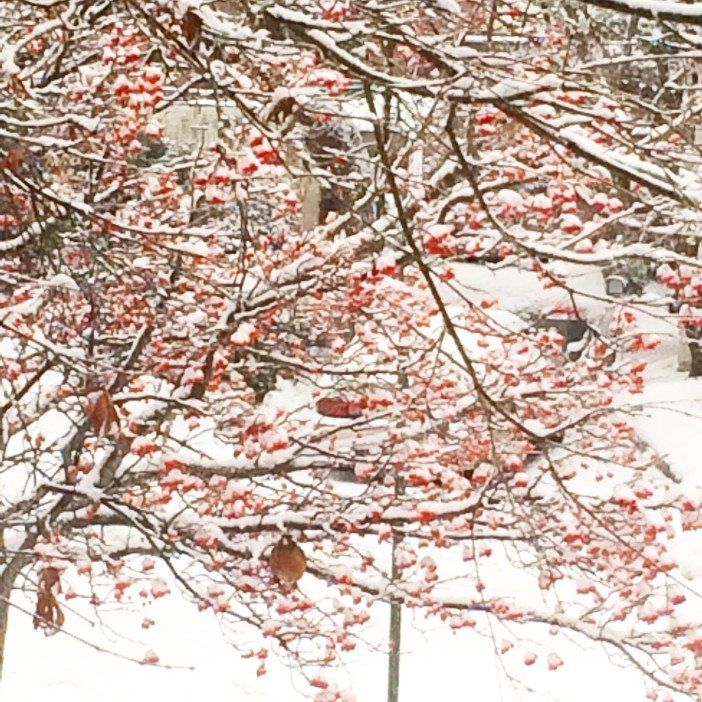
(436, 664)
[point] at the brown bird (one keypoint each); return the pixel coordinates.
(287, 561)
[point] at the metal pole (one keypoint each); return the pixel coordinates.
(395, 632)
(394, 655)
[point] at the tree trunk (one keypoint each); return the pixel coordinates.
(695, 359)
(4, 616)
(694, 344)
(7, 580)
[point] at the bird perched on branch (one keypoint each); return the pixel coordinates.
(287, 561)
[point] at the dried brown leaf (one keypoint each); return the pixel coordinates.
(103, 415)
(192, 27)
(48, 614)
(13, 160)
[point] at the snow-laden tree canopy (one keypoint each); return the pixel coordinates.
(287, 328)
